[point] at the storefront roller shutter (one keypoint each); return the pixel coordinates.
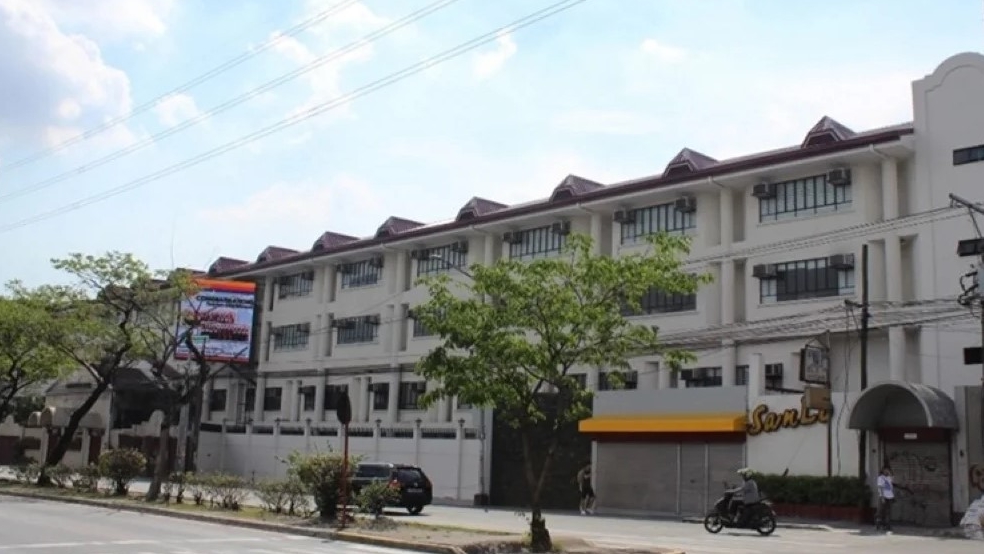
(724, 460)
(637, 476)
(693, 478)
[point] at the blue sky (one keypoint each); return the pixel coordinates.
(608, 90)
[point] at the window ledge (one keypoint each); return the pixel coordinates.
(682, 313)
(377, 284)
(806, 301)
(367, 343)
(808, 217)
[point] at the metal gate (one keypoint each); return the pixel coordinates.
(681, 478)
(923, 482)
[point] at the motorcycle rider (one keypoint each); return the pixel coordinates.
(749, 496)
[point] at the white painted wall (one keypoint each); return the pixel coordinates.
(453, 465)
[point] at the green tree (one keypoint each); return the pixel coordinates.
(98, 324)
(25, 360)
(525, 326)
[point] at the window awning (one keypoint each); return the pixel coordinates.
(666, 423)
(902, 404)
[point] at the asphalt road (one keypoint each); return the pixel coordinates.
(42, 527)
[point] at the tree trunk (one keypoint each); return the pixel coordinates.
(161, 465)
(194, 420)
(540, 540)
(55, 455)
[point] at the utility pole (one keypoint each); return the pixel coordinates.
(973, 294)
(863, 336)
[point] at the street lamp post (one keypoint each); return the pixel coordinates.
(483, 495)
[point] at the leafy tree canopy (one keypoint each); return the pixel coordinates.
(514, 328)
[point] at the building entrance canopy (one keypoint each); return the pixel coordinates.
(898, 404)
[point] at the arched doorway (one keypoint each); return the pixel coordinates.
(914, 424)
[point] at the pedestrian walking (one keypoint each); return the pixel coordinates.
(886, 496)
(586, 490)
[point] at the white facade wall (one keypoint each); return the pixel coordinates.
(893, 179)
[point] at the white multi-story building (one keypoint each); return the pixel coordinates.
(782, 232)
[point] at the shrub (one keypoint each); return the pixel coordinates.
(195, 485)
(177, 480)
(814, 490)
(284, 497)
(87, 479)
(375, 497)
(321, 476)
(60, 475)
(28, 473)
(225, 491)
(121, 466)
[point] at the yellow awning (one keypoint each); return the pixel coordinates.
(665, 423)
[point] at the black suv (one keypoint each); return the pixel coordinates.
(413, 485)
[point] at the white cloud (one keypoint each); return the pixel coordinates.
(662, 52)
(305, 207)
(60, 85)
(607, 122)
(487, 64)
(112, 19)
(175, 109)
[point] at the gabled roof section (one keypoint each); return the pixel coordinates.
(689, 161)
(224, 264)
(827, 131)
(271, 253)
(573, 186)
(330, 240)
(396, 225)
(477, 207)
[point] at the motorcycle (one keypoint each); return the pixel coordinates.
(762, 517)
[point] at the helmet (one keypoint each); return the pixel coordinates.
(744, 472)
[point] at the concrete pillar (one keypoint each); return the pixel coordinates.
(258, 401)
(207, 400)
(728, 363)
(319, 398)
(268, 293)
(232, 399)
(660, 377)
(386, 328)
(396, 328)
(728, 291)
(361, 387)
(330, 283)
(393, 406)
(596, 238)
(890, 188)
(298, 402)
(756, 378)
(727, 217)
(488, 254)
(287, 399)
(401, 271)
(593, 380)
(893, 289)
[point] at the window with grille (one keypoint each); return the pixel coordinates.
(249, 400)
(272, 399)
(291, 337)
(332, 395)
(357, 330)
(440, 259)
(539, 242)
(968, 155)
(360, 274)
(309, 395)
(804, 197)
(657, 219)
(420, 330)
(805, 279)
(773, 376)
(380, 395)
(410, 394)
(701, 377)
(656, 301)
(629, 381)
(296, 285)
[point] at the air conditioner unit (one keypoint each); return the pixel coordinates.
(841, 261)
(512, 238)
(561, 228)
(764, 190)
(686, 204)
(416, 254)
(460, 246)
(624, 216)
(376, 261)
(764, 271)
(839, 177)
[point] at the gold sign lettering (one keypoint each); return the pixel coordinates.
(761, 420)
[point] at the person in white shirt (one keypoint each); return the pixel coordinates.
(886, 496)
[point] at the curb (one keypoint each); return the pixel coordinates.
(343, 536)
(780, 525)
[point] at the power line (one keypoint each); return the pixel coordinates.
(318, 109)
(208, 75)
(229, 104)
